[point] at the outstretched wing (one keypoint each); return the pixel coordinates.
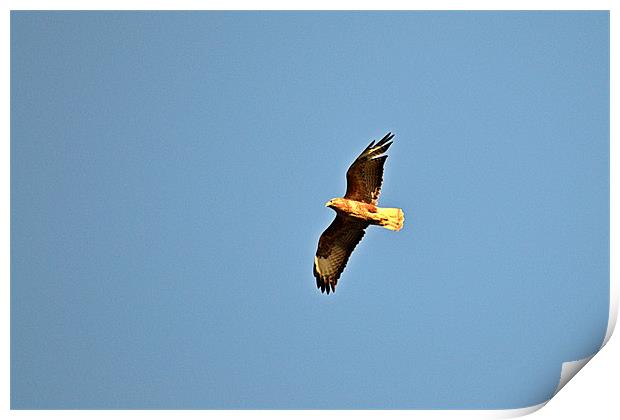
(365, 175)
(335, 246)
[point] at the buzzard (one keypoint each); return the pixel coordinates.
(354, 212)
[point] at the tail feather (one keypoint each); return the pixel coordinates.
(391, 218)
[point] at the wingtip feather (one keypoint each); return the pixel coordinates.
(379, 150)
(389, 136)
(326, 284)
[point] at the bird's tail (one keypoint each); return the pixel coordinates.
(392, 219)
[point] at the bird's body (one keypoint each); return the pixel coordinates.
(354, 213)
(387, 217)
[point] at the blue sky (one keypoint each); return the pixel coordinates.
(168, 177)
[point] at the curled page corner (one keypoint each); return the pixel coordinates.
(570, 369)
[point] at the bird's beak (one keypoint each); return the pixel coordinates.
(328, 203)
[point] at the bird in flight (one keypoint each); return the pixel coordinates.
(354, 213)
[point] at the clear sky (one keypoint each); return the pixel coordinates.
(168, 179)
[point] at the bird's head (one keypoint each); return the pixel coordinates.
(333, 203)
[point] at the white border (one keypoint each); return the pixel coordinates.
(568, 369)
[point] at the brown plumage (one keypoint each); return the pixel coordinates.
(354, 213)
